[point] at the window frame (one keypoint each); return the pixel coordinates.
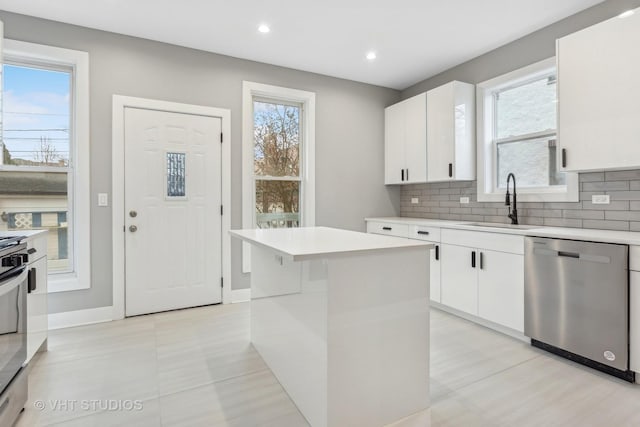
(78, 190)
(487, 142)
(306, 101)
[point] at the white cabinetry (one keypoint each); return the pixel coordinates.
(405, 141)
(598, 92)
(634, 309)
(429, 234)
(483, 275)
(451, 133)
(37, 311)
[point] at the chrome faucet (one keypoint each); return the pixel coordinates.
(513, 213)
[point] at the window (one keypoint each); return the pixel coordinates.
(43, 169)
(278, 158)
(517, 124)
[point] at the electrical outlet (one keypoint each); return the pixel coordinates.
(414, 201)
(600, 199)
(464, 200)
(103, 199)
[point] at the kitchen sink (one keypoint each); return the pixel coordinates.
(506, 226)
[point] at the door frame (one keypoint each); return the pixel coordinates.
(121, 102)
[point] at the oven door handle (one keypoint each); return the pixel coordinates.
(13, 282)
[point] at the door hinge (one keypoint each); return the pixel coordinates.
(221, 137)
(222, 282)
(221, 210)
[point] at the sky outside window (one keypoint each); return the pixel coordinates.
(36, 116)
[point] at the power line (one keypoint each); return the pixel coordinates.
(36, 130)
(35, 114)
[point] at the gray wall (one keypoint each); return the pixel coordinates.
(441, 200)
(349, 129)
(527, 50)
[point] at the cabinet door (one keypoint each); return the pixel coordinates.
(434, 274)
(598, 94)
(440, 133)
(37, 322)
(416, 138)
(634, 322)
(501, 288)
(394, 136)
(458, 279)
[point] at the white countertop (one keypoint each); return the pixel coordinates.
(319, 242)
(593, 235)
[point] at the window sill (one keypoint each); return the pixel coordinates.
(571, 195)
(64, 283)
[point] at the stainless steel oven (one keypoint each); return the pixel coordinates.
(13, 327)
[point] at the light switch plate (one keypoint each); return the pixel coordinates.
(464, 200)
(103, 199)
(600, 199)
(414, 201)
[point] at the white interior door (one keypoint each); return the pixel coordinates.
(172, 210)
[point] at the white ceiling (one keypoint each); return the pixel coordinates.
(414, 39)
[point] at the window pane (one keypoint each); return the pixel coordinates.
(176, 175)
(533, 162)
(276, 139)
(277, 204)
(526, 109)
(38, 201)
(36, 116)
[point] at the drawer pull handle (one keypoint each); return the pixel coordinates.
(426, 233)
(31, 251)
(386, 228)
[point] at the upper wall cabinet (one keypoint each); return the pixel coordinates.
(405, 141)
(451, 133)
(598, 93)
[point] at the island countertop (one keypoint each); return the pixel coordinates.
(305, 243)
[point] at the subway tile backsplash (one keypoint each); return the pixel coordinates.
(442, 201)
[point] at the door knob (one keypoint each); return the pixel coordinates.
(133, 228)
(133, 214)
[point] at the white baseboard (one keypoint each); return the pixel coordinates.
(240, 295)
(69, 319)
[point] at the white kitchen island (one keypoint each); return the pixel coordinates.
(342, 320)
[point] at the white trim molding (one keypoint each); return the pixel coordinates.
(79, 185)
(251, 90)
(69, 319)
(240, 295)
(485, 154)
(119, 104)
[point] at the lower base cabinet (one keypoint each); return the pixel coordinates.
(484, 283)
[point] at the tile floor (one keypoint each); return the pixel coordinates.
(196, 368)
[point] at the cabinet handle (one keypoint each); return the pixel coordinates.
(564, 157)
(481, 260)
(31, 251)
(402, 174)
(31, 281)
(407, 174)
(437, 252)
(473, 259)
(450, 170)
(426, 233)
(386, 228)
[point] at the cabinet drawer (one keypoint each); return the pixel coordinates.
(500, 242)
(39, 243)
(420, 232)
(388, 228)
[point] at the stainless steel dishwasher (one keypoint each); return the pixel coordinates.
(577, 301)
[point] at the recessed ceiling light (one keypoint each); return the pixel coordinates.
(371, 55)
(626, 14)
(264, 28)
